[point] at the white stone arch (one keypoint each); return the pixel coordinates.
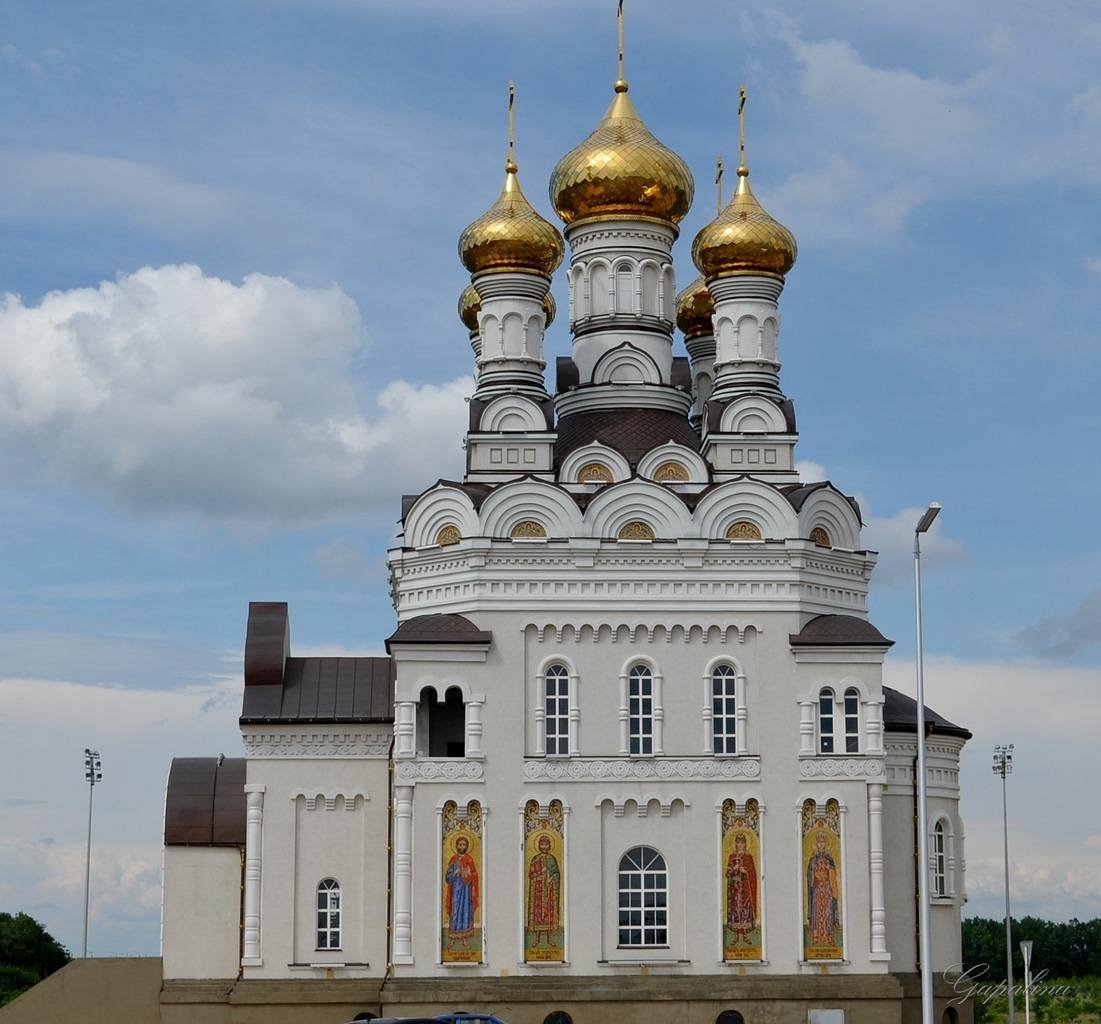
(512, 335)
(691, 460)
(770, 335)
(668, 293)
(598, 274)
(613, 507)
(752, 415)
(744, 498)
(517, 500)
(944, 819)
(579, 306)
(650, 288)
(748, 332)
(829, 509)
(625, 279)
(439, 507)
(726, 339)
(441, 684)
(626, 364)
(463, 802)
(594, 452)
(492, 338)
(512, 412)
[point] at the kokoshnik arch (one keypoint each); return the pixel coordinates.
(630, 740)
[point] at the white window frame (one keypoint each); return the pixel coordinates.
(556, 710)
(851, 722)
(328, 893)
(822, 736)
(942, 861)
(632, 671)
(539, 702)
(648, 865)
(725, 725)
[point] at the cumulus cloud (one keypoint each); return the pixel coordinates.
(810, 472)
(170, 390)
(1067, 634)
(893, 537)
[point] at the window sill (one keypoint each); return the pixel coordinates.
(670, 961)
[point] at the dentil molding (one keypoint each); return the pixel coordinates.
(317, 743)
(678, 769)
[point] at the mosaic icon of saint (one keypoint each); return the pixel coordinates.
(544, 893)
(741, 891)
(461, 902)
(823, 893)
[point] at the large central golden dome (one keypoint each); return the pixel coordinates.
(621, 171)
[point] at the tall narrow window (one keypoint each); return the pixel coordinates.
(852, 721)
(825, 722)
(624, 290)
(643, 898)
(640, 710)
(940, 865)
(328, 914)
(724, 710)
(556, 706)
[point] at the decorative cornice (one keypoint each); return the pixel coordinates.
(450, 770)
(840, 767)
(332, 742)
(609, 769)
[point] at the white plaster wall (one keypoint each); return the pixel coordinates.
(202, 912)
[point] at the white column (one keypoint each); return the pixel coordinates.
(873, 726)
(624, 738)
(473, 746)
(541, 714)
(708, 715)
(806, 727)
(875, 864)
(574, 740)
(405, 718)
(403, 875)
(254, 852)
(659, 714)
(741, 715)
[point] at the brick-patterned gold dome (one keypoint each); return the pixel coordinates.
(470, 305)
(621, 170)
(695, 307)
(744, 239)
(510, 235)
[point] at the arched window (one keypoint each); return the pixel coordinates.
(328, 914)
(558, 1017)
(556, 708)
(940, 861)
(852, 720)
(643, 898)
(950, 1016)
(730, 1017)
(825, 721)
(624, 289)
(640, 709)
(724, 710)
(441, 725)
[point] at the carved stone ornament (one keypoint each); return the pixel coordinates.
(315, 743)
(440, 771)
(594, 473)
(448, 535)
(528, 528)
(819, 536)
(743, 530)
(636, 529)
(671, 472)
(680, 769)
(840, 767)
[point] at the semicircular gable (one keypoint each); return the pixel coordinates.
(748, 500)
(831, 510)
(436, 509)
(512, 412)
(626, 364)
(513, 502)
(753, 414)
(616, 506)
(678, 453)
(594, 452)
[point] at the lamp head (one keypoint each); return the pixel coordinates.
(927, 517)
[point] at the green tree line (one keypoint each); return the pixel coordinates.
(1070, 949)
(28, 953)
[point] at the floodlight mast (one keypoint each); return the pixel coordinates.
(93, 773)
(1003, 766)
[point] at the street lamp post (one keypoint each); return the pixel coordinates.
(924, 937)
(1026, 955)
(1003, 766)
(93, 773)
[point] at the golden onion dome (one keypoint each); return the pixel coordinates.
(695, 307)
(511, 236)
(744, 239)
(621, 171)
(470, 305)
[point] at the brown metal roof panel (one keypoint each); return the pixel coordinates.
(189, 800)
(262, 701)
(326, 688)
(382, 704)
(291, 705)
(267, 642)
(230, 811)
(344, 705)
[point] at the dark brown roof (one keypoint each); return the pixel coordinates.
(476, 492)
(785, 405)
(900, 715)
(798, 494)
(325, 690)
(205, 803)
(681, 373)
(839, 631)
(631, 432)
(438, 629)
(267, 643)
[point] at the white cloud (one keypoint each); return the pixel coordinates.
(1094, 266)
(1067, 634)
(893, 537)
(169, 390)
(9, 54)
(810, 472)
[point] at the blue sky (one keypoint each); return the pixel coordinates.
(229, 342)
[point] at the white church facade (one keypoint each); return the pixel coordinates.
(630, 749)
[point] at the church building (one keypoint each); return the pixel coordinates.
(629, 754)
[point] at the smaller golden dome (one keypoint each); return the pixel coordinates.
(695, 307)
(511, 236)
(470, 305)
(744, 239)
(621, 170)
